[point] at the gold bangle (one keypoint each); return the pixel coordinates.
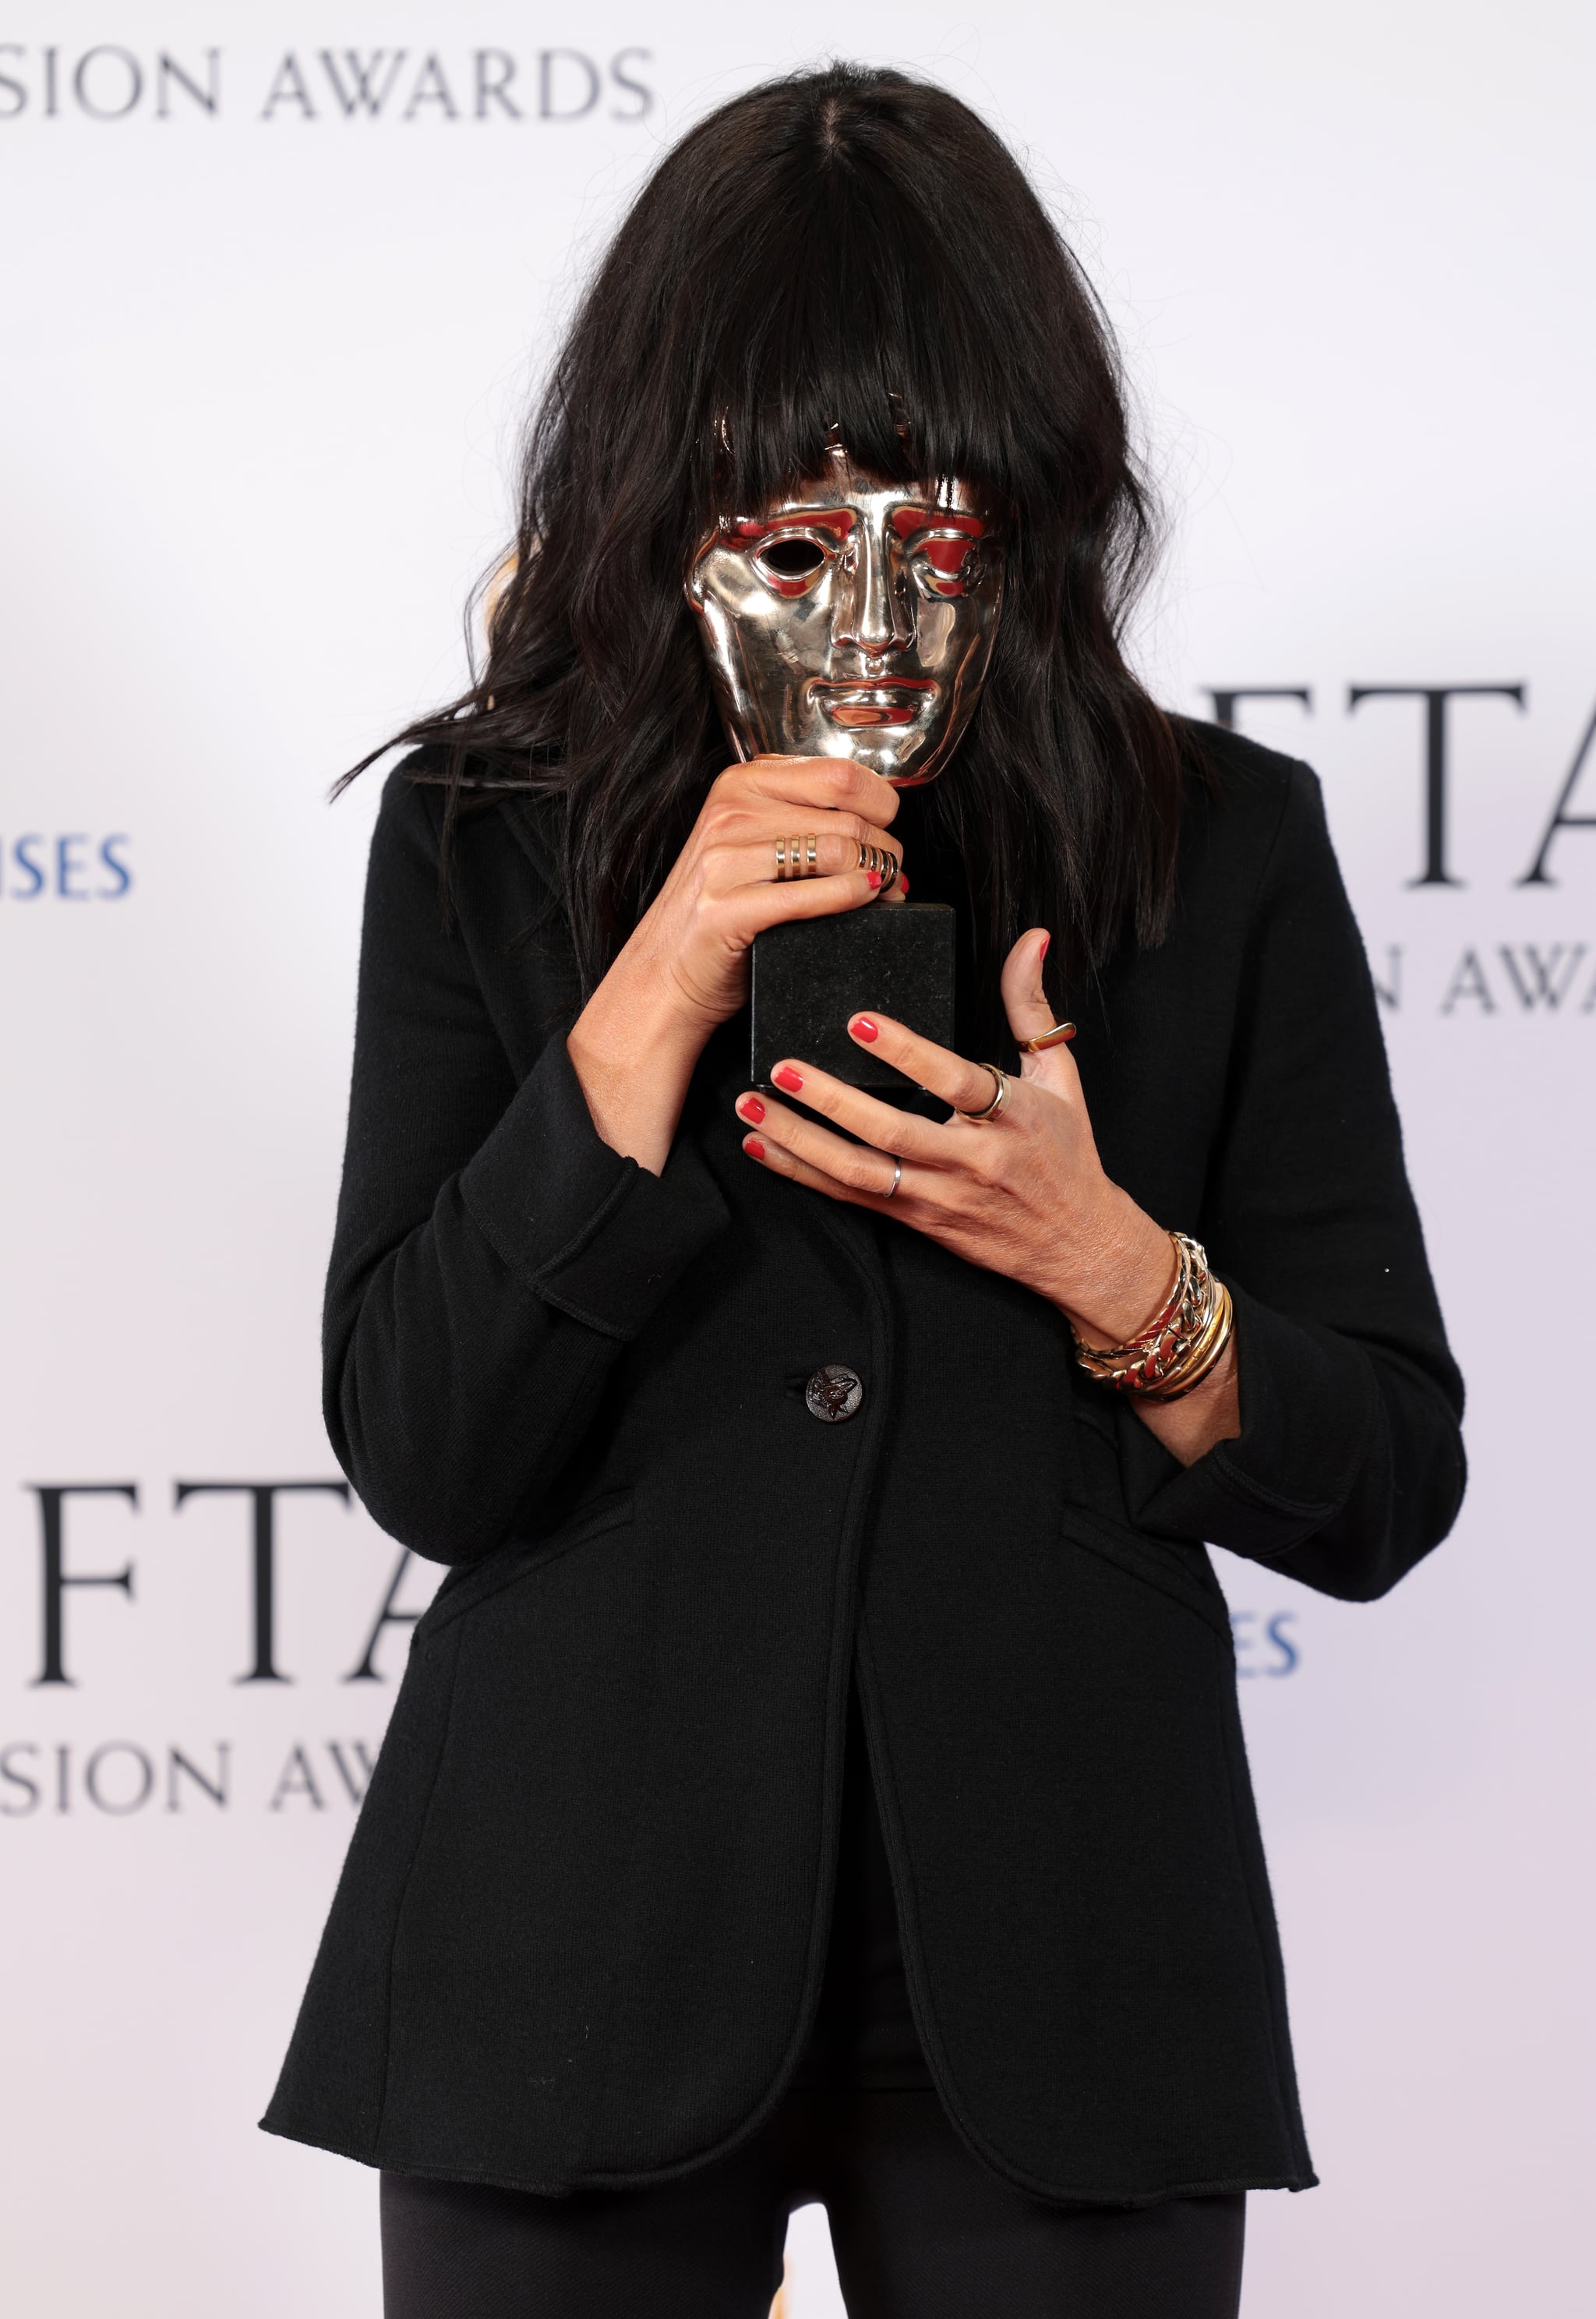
(1204, 1358)
(1179, 1314)
(1190, 1365)
(1180, 1337)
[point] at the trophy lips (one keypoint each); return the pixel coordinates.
(874, 702)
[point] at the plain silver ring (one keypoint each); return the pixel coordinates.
(896, 1179)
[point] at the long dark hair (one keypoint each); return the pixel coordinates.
(838, 248)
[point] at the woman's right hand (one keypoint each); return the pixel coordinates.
(684, 969)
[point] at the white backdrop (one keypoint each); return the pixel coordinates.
(264, 351)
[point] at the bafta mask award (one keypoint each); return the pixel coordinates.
(855, 619)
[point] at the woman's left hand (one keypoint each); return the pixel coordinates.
(1024, 1194)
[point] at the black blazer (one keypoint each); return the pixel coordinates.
(579, 1933)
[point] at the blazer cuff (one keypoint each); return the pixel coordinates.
(586, 1231)
(1310, 1405)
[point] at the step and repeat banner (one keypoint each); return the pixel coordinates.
(278, 283)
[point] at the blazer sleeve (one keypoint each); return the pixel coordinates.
(1349, 1466)
(492, 1256)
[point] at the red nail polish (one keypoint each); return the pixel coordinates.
(788, 1077)
(873, 879)
(1043, 953)
(863, 1028)
(754, 1147)
(751, 1109)
(903, 881)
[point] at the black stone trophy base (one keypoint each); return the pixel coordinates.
(812, 974)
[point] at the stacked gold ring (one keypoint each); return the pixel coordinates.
(797, 857)
(877, 858)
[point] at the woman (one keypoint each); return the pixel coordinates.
(819, 1773)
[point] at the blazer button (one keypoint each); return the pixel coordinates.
(833, 1393)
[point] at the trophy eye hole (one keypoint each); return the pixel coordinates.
(949, 565)
(793, 559)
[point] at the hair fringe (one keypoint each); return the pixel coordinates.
(847, 248)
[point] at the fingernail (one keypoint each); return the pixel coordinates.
(873, 879)
(903, 881)
(788, 1077)
(751, 1109)
(754, 1147)
(863, 1028)
(1043, 953)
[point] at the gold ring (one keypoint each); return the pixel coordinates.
(999, 1097)
(1053, 1038)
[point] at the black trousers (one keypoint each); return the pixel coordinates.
(921, 2231)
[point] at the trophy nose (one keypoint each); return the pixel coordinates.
(872, 617)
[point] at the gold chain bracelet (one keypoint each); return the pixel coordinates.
(1181, 1345)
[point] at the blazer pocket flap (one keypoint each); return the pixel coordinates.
(471, 1584)
(1185, 1574)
